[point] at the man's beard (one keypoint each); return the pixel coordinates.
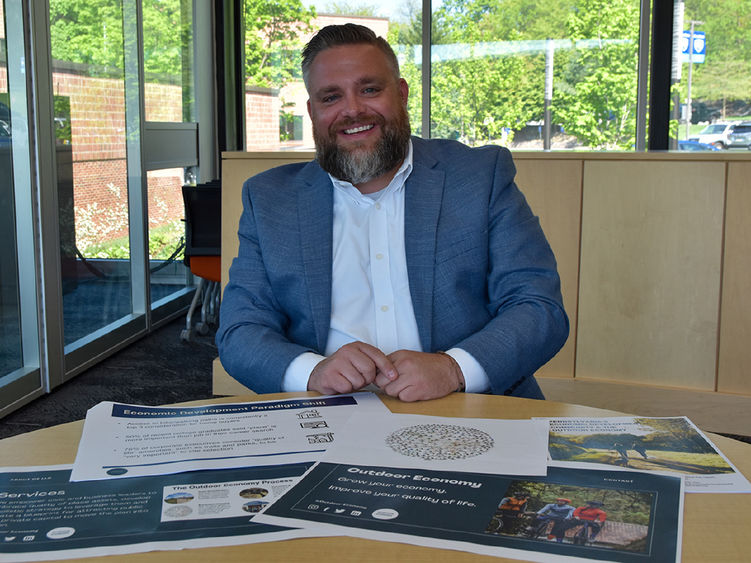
(357, 165)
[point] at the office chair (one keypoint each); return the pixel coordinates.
(203, 252)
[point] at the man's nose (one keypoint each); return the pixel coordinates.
(352, 105)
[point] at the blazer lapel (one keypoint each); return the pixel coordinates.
(315, 215)
(423, 196)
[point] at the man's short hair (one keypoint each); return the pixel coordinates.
(345, 34)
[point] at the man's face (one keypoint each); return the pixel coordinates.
(358, 110)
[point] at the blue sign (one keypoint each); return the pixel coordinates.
(698, 47)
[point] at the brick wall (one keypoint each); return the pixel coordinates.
(262, 106)
(98, 143)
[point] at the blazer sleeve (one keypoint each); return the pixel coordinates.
(527, 323)
(254, 324)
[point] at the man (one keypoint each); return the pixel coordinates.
(640, 449)
(622, 450)
(560, 513)
(514, 504)
(412, 265)
(592, 516)
(511, 510)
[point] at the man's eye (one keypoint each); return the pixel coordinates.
(329, 99)
(371, 90)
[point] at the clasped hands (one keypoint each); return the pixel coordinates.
(404, 374)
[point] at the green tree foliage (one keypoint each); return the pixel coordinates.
(595, 94)
(274, 34)
(163, 45)
(87, 31)
(480, 90)
(633, 507)
(406, 27)
(675, 433)
(347, 9)
(530, 19)
(90, 32)
(475, 98)
(726, 73)
(482, 87)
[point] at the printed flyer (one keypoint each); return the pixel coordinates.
(45, 516)
(670, 444)
(128, 440)
(445, 443)
(457, 483)
(638, 515)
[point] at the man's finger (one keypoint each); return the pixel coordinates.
(381, 360)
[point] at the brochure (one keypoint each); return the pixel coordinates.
(458, 510)
(122, 440)
(669, 444)
(45, 516)
(442, 443)
(444, 482)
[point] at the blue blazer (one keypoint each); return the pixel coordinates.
(481, 274)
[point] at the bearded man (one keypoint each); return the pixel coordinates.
(413, 266)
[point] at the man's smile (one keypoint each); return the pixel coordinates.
(359, 129)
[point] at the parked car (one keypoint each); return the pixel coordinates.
(718, 134)
(695, 146)
(741, 136)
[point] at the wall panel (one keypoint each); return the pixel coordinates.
(650, 272)
(735, 329)
(553, 190)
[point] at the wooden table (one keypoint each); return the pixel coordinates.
(716, 526)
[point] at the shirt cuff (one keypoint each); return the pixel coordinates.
(298, 372)
(475, 378)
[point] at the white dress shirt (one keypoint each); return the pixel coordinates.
(370, 287)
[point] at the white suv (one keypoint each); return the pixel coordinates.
(717, 134)
(741, 136)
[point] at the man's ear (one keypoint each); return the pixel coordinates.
(403, 90)
(308, 104)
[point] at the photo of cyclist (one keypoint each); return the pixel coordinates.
(511, 509)
(592, 517)
(559, 513)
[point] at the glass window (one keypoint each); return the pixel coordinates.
(20, 377)
(89, 113)
(714, 87)
(169, 96)
(10, 312)
(498, 65)
(166, 233)
(501, 70)
(167, 60)
(276, 116)
(523, 73)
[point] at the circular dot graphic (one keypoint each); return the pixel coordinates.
(439, 441)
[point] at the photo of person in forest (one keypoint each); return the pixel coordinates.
(575, 515)
(645, 444)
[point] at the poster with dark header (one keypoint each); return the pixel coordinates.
(580, 514)
(44, 516)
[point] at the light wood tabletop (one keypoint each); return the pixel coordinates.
(715, 525)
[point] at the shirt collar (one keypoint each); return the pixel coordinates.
(396, 184)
